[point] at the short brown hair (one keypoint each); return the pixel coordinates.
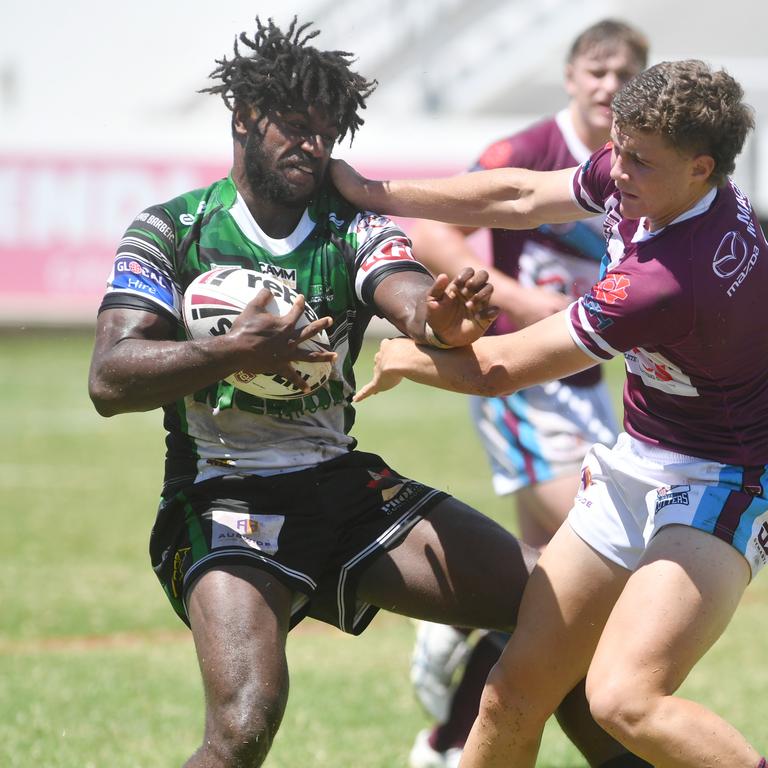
(610, 33)
(696, 109)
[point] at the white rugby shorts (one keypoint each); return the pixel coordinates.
(631, 491)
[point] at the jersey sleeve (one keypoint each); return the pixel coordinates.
(625, 310)
(591, 186)
(382, 248)
(142, 275)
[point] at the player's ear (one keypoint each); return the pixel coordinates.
(703, 167)
(240, 122)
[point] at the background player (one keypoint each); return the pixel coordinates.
(536, 438)
(268, 514)
(670, 524)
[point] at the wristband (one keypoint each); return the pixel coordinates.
(433, 339)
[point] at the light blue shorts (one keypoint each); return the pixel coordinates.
(542, 433)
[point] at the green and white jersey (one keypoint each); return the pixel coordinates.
(336, 257)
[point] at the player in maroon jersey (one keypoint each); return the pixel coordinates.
(535, 439)
(669, 525)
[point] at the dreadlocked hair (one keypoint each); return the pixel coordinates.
(283, 72)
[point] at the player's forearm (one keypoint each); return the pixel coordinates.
(140, 375)
(493, 365)
(495, 198)
(456, 370)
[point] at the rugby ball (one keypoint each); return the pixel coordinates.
(214, 299)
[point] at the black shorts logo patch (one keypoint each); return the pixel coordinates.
(386, 482)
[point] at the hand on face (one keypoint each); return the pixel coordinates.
(459, 310)
(350, 183)
(267, 343)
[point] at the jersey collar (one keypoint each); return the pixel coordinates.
(253, 232)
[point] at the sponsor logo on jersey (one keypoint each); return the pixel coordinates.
(157, 223)
(611, 220)
(611, 289)
(658, 372)
(335, 220)
(678, 494)
(133, 275)
(188, 219)
(602, 321)
(744, 210)
(730, 255)
(392, 250)
(372, 222)
(742, 276)
(288, 276)
(320, 294)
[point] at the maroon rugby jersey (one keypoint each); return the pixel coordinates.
(565, 257)
(687, 307)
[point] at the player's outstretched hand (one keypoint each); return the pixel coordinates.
(459, 310)
(384, 377)
(268, 343)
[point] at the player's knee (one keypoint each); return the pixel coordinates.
(242, 730)
(618, 707)
(505, 700)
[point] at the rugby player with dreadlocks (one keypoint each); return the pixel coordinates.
(268, 513)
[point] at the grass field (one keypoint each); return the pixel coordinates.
(96, 671)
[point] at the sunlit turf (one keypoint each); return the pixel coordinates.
(97, 671)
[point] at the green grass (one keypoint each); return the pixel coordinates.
(96, 671)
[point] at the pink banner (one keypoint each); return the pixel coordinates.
(61, 218)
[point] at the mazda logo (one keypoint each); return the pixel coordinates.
(730, 256)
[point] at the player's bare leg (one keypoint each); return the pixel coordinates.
(567, 600)
(457, 567)
(542, 508)
(239, 619)
(686, 591)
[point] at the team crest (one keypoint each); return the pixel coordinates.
(611, 289)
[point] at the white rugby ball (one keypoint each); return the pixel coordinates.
(214, 299)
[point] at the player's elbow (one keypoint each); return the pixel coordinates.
(106, 399)
(104, 406)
